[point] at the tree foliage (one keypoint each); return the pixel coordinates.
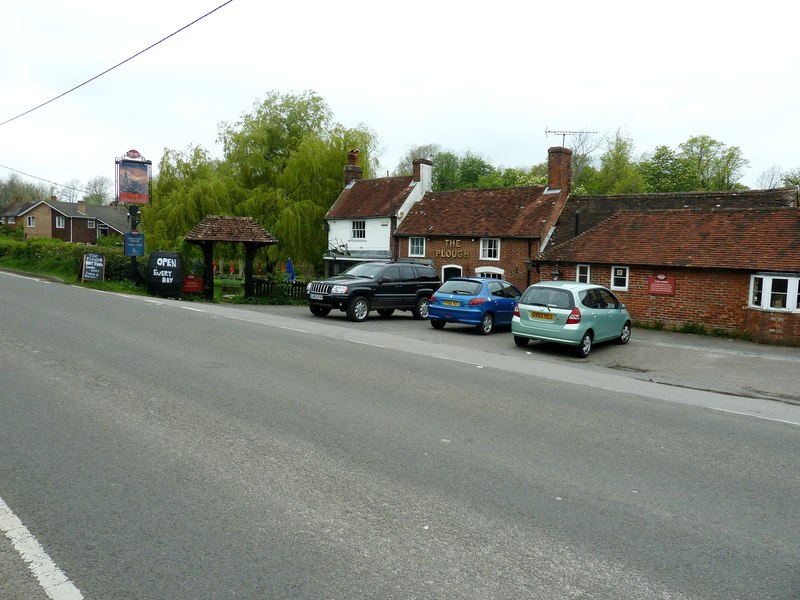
(282, 166)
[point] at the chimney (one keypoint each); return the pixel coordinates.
(559, 168)
(82, 207)
(423, 173)
(352, 171)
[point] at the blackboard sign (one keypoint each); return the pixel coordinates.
(93, 267)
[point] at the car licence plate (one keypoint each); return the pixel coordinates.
(315, 296)
(451, 303)
(540, 315)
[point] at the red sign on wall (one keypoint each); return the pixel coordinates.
(192, 284)
(661, 284)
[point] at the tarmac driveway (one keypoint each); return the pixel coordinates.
(722, 365)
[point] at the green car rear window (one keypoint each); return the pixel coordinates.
(550, 297)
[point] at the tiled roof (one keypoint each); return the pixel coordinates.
(371, 198)
(16, 209)
(501, 212)
(752, 239)
(230, 229)
(584, 212)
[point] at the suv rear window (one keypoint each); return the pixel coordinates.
(545, 296)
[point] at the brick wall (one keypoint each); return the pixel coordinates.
(714, 299)
(466, 253)
(44, 222)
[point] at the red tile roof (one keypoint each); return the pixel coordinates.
(751, 239)
(584, 212)
(371, 198)
(230, 229)
(502, 212)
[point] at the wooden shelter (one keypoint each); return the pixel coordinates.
(242, 230)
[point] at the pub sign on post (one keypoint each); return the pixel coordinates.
(133, 178)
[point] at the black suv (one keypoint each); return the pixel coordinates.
(381, 286)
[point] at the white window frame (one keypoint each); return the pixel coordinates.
(358, 229)
(419, 242)
(765, 299)
(60, 222)
(490, 272)
(588, 273)
(90, 223)
(31, 221)
(11, 221)
(620, 271)
(490, 246)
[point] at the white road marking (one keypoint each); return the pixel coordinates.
(746, 414)
(50, 577)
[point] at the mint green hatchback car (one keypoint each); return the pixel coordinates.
(567, 312)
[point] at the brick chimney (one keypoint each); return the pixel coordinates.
(352, 171)
(423, 173)
(82, 207)
(559, 168)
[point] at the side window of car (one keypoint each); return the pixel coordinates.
(509, 291)
(407, 273)
(392, 273)
(607, 300)
(495, 288)
(426, 273)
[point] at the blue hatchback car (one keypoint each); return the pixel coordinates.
(477, 301)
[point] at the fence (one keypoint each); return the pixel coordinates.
(293, 290)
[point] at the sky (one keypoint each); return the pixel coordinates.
(495, 79)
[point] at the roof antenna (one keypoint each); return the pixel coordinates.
(564, 134)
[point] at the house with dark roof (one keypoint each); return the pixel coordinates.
(361, 222)
(71, 222)
(9, 215)
(487, 232)
(721, 261)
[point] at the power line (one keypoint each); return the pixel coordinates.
(112, 68)
(69, 187)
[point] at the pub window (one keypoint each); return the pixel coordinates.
(11, 221)
(359, 230)
(416, 246)
(59, 222)
(490, 248)
(582, 274)
(619, 278)
(31, 222)
(779, 291)
(90, 223)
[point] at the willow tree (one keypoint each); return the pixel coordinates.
(282, 166)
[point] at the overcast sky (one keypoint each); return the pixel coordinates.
(486, 77)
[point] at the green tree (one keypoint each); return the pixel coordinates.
(282, 166)
(98, 191)
(666, 171)
(406, 164)
(716, 166)
(792, 178)
(618, 173)
(14, 189)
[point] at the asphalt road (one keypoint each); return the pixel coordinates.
(162, 449)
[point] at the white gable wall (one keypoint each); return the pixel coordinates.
(377, 234)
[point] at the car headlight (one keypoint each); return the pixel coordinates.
(339, 289)
(308, 287)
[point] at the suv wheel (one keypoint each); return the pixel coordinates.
(358, 309)
(420, 310)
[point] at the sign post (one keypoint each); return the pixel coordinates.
(133, 175)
